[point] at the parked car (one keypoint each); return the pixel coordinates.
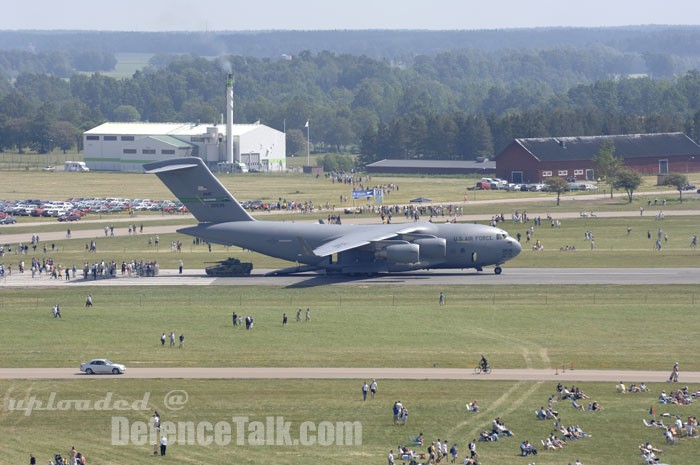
(69, 217)
(102, 365)
(689, 187)
(8, 220)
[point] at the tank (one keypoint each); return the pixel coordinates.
(230, 267)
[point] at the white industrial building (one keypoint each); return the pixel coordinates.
(127, 146)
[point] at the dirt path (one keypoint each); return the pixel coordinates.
(517, 374)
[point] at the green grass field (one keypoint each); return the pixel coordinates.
(435, 408)
(540, 326)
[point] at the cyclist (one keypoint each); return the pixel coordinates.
(483, 363)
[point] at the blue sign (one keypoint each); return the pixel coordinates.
(367, 193)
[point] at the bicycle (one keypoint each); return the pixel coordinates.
(480, 369)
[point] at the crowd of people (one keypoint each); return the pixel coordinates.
(74, 458)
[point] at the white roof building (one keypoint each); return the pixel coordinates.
(127, 146)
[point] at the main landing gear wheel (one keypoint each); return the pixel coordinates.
(498, 270)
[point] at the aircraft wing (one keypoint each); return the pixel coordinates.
(365, 236)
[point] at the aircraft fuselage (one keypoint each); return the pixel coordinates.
(444, 245)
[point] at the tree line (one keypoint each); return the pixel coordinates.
(680, 43)
(447, 106)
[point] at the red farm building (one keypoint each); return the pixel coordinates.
(534, 160)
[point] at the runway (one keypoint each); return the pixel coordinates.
(551, 374)
(510, 276)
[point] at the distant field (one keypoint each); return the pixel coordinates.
(299, 187)
(128, 64)
(31, 161)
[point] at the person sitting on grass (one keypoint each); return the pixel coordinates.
(557, 441)
(541, 414)
(565, 393)
(418, 440)
(669, 437)
(527, 449)
(578, 393)
(499, 428)
(488, 436)
(547, 444)
(595, 406)
(576, 405)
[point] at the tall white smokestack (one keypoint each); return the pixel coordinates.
(229, 119)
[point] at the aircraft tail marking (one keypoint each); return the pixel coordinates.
(198, 189)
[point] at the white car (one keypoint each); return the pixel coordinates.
(102, 365)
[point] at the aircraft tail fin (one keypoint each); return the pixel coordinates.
(198, 189)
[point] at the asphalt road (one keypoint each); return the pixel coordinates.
(560, 374)
(511, 276)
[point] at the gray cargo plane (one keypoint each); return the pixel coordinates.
(333, 248)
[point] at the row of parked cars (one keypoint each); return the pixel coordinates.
(500, 184)
(75, 208)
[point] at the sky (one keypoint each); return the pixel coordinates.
(237, 15)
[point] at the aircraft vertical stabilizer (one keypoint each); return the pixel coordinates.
(199, 190)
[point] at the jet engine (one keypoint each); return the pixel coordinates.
(400, 253)
(432, 247)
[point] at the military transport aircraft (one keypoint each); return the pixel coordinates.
(333, 248)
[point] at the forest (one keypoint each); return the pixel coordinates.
(460, 103)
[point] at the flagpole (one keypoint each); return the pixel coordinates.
(308, 144)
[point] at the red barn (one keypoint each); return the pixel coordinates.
(534, 160)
